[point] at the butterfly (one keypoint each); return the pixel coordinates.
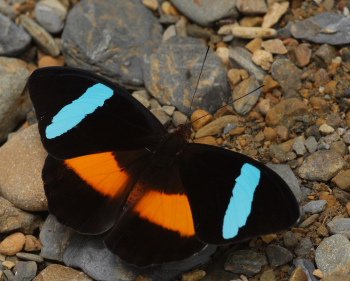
(112, 166)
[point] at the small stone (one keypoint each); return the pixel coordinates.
(315, 207)
(274, 46)
(51, 14)
(319, 104)
(290, 240)
(303, 248)
(237, 75)
(245, 262)
(278, 255)
(342, 180)
(169, 32)
(275, 12)
(151, 4)
(251, 7)
(268, 238)
(311, 144)
(323, 231)
(30, 257)
(251, 21)
(12, 244)
(168, 109)
(32, 244)
(263, 59)
(270, 134)
(254, 45)
(340, 226)
(25, 270)
(215, 127)
(60, 272)
(161, 116)
(206, 140)
(322, 165)
(325, 129)
(51, 61)
(299, 146)
(243, 102)
(282, 132)
(298, 274)
(8, 264)
(264, 106)
(253, 32)
(309, 221)
(179, 118)
(223, 53)
(199, 120)
(194, 275)
(40, 35)
(333, 254)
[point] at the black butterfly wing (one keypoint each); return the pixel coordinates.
(234, 197)
(80, 113)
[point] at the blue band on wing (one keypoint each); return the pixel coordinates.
(240, 204)
(72, 114)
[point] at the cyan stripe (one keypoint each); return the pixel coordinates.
(240, 204)
(72, 114)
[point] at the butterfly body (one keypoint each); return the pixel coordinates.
(113, 167)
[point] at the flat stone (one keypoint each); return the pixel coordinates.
(340, 226)
(61, 272)
(95, 38)
(178, 62)
(278, 255)
(25, 270)
(275, 12)
(342, 180)
(14, 103)
(51, 14)
(315, 207)
(13, 40)
(253, 32)
(22, 159)
(215, 127)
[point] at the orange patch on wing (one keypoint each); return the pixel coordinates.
(171, 211)
(101, 171)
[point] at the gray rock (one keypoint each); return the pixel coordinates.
(7, 10)
(276, 151)
(299, 146)
(309, 221)
(177, 64)
(340, 226)
(333, 254)
(41, 37)
(288, 75)
(311, 144)
(315, 207)
(308, 268)
(161, 116)
(322, 165)
(50, 14)
(286, 173)
(303, 247)
(14, 103)
(278, 255)
(245, 262)
(243, 59)
(244, 102)
(207, 12)
(112, 38)
(13, 40)
(30, 257)
(25, 270)
(290, 240)
(329, 28)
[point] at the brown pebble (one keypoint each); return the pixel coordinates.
(282, 132)
(8, 264)
(51, 61)
(319, 104)
(254, 45)
(194, 275)
(264, 106)
(12, 244)
(269, 84)
(274, 46)
(270, 134)
(202, 121)
(237, 75)
(206, 140)
(237, 131)
(32, 244)
(269, 238)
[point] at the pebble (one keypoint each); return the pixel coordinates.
(263, 59)
(14, 40)
(41, 37)
(25, 270)
(8, 264)
(244, 102)
(299, 146)
(51, 14)
(243, 58)
(303, 247)
(151, 4)
(194, 275)
(315, 207)
(179, 118)
(14, 75)
(13, 219)
(12, 244)
(245, 262)
(29, 257)
(32, 244)
(311, 144)
(253, 32)
(251, 7)
(342, 180)
(199, 120)
(237, 75)
(186, 53)
(309, 221)
(326, 129)
(161, 116)
(278, 255)
(101, 40)
(214, 127)
(287, 75)
(301, 55)
(340, 226)
(307, 267)
(333, 254)
(22, 160)
(322, 165)
(274, 13)
(60, 272)
(274, 46)
(290, 240)
(284, 112)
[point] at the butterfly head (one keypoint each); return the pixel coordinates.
(184, 130)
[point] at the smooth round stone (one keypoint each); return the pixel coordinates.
(50, 14)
